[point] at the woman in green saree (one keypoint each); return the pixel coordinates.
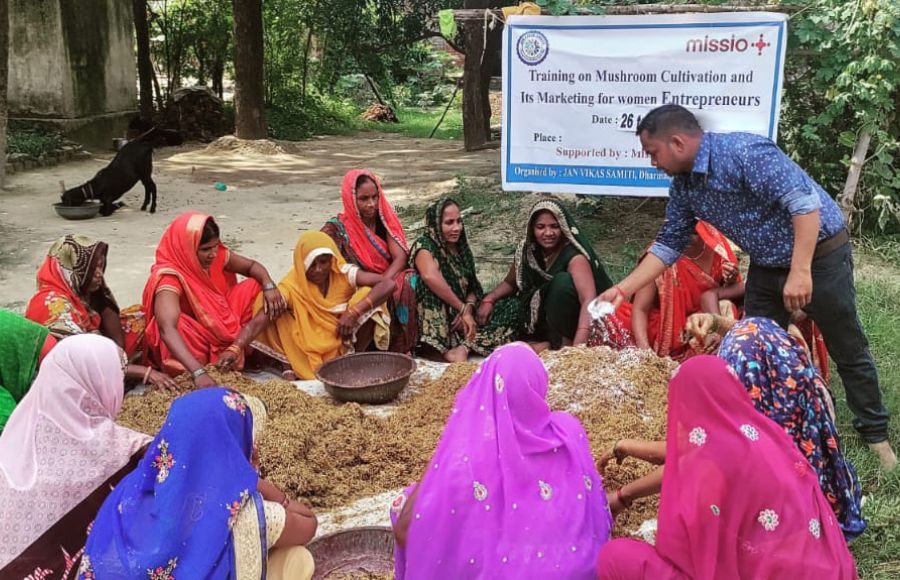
(448, 290)
(23, 344)
(554, 275)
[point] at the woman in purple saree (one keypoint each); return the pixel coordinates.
(512, 490)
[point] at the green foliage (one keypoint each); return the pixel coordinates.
(190, 38)
(845, 79)
(33, 142)
(318, 43)
(294, 121)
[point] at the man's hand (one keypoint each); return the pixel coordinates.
(613, 295)
(797, 289)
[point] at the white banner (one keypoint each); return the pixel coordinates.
(576, 87)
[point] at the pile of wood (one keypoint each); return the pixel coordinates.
(380, 114)
(197, 114)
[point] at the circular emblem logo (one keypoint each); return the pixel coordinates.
(532, 48)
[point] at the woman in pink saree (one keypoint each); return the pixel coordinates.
(512, 490)
(738, 499)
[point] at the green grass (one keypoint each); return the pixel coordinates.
(322, 116)
(494, 225)
(877, 551)
(419, 123)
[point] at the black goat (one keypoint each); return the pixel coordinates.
(133, 163)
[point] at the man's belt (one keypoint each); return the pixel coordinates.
(831, 244)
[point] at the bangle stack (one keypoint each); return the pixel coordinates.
(198, 373)
(623, 499)
(234, 349)
(286, 501)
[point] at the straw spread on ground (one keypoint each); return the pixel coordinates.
(331, 454)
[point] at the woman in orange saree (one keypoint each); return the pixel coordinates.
(72, 298)
(195, 307)
(369, 234)
(704, 275)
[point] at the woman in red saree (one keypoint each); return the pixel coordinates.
(368, 234)
(195, 307)
(704, 275)
(72, 298)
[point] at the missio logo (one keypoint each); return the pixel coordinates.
(727, 44)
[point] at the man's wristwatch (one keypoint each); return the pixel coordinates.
(198, 373)
(269, 286)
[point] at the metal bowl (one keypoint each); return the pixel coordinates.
(85, 211)
(367, 377)
(366, 552)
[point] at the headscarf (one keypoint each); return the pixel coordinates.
(512, 490)
(61, 302)
(21, 342)
(738, 499)
(531, 276)
(784, 386)
(373, 253)
(205, 291)
(455, 267)
(173, 515)
(314, 317)
(62, 442)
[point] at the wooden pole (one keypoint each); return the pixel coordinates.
(631, 10)
(847, 199)
(441, 120)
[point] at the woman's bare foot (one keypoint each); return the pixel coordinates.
(539, 347)
(457, 354)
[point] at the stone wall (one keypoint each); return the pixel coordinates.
(71, 64)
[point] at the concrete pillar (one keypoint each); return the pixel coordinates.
(71, 66)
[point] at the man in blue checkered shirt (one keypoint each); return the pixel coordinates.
(794, 233)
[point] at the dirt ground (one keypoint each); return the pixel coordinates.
(274, 192)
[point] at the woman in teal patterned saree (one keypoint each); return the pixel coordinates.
(448, 290)
(554, 276)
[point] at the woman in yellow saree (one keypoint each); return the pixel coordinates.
(333, 308)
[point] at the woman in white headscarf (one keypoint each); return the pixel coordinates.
(60, 454)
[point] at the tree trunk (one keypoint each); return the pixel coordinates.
(476, 128)
(218, 74)
(145, 67)
(249, 71)
(4, 78)
(309, 38)
(847, 199)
